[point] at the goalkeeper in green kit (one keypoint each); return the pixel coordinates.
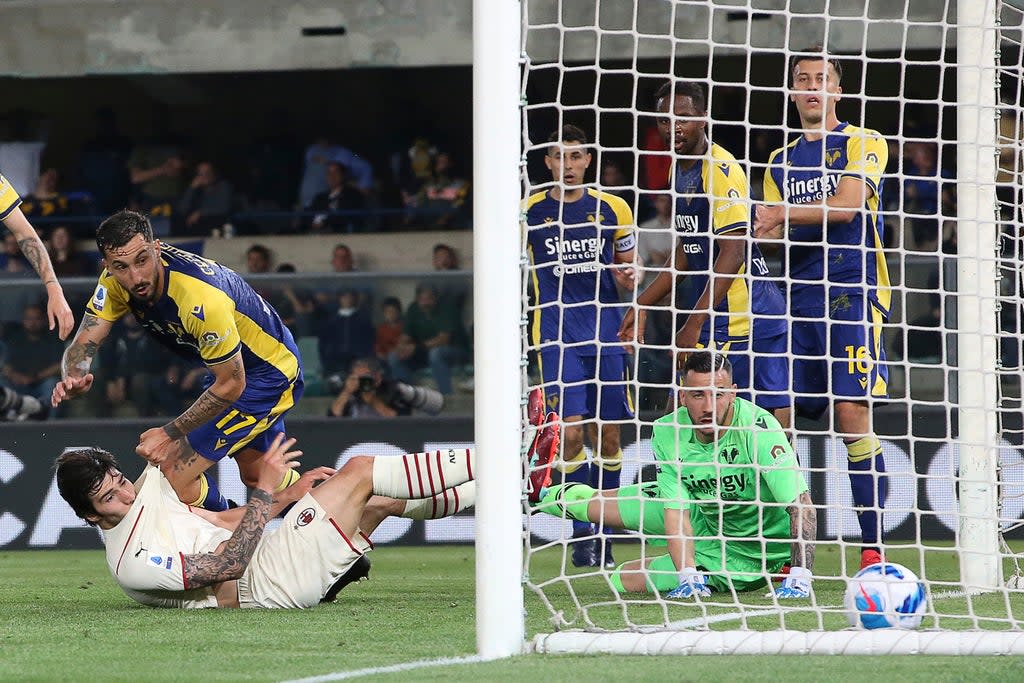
(730, 498)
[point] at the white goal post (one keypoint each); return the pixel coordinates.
(971, 608)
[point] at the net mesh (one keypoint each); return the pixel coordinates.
(597, 66)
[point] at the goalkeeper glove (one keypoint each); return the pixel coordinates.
(691, 583)
(796, 585)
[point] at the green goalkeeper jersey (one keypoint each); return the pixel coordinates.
(738, 486)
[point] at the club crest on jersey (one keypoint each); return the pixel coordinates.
(832, 156)
(729, 455)
(99, 298)
(591, 218)
(305, 517)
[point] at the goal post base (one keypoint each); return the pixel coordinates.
(850, 642)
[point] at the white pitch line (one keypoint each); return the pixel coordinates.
(392, 668)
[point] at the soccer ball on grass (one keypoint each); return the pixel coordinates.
(885, 595)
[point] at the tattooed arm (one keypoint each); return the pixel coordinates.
(74, 369)
(231, 561)
(803, 528)
(32, 247)
(228, 385)
(233, 556)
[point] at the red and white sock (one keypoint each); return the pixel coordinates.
(422, 475)
(444, 504)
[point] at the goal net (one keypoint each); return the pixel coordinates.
(940, 291)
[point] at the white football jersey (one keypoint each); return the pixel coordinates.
(145, 551)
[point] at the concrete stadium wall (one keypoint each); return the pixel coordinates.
(79, 37)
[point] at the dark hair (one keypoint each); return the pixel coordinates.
(568, 133)
(689, 89)
(426, 287)
(815, 53)
(259, 249)
(80, 473)
(341, 245)
(707, 362)
(440, 245)
(392, 301)
(286, 268)
(119, 229)
(370, 362)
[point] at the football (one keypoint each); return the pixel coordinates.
(885, 595)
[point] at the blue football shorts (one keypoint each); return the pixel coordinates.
(586, 385)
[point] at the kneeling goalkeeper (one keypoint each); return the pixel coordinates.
(730, 498)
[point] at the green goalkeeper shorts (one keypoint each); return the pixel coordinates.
(743, 574)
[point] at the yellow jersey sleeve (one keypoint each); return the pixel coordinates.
(109, 300)
(772, 193)
(729, 198)
(625, 235)
(9, 199)
(208, 315)
(867, 155)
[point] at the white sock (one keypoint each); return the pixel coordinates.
(444, 504)
(422, 475)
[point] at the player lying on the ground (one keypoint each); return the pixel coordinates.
(167, 554)
(721, 459)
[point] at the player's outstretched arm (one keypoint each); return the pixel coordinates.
(680, 546)
(803, 527)
(634, 320)
(232, 558)
(732, 254)
(75, 376)
(230, 519)
(159, 443)
(57, 309)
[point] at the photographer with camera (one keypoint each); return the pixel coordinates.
(367, 393)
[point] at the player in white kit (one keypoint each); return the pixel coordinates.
(167, 554)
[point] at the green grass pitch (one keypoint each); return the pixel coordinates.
(62, 618)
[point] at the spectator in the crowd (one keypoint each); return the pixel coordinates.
(432, 336)
(412, 173)
(366, 393)
(257, 259)
(343, 261)
(341, 195)
(157, 167)
(345, 334)
(923, 194)
(295, 306)
(614, 181)
(314, 176)
(206, 203)
(138, 375)
(46, 200)
(67, 260)
(656, 237)
(389, 330)
(656, 162)
(102, 166)
(33, 356)
(442, 199)
(12, 261)
(451, 292)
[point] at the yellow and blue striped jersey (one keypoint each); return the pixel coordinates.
(9, 199)
(207, 312)
(571, 246)
(713, 198)
(809, 171)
